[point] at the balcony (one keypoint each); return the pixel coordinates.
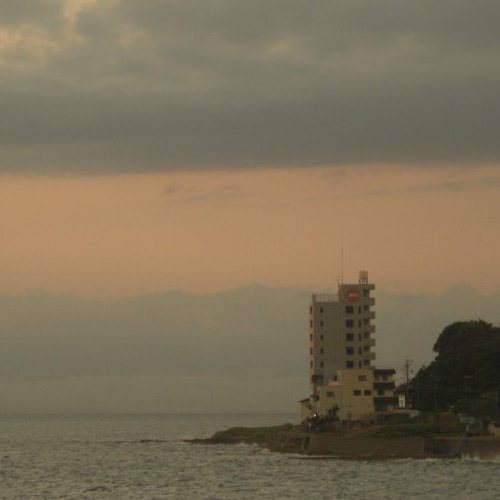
(325, 297)
(384, 386)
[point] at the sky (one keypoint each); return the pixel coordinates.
(177, 178)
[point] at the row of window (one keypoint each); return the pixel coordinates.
(349, 323)
(349, 337)
(348, 350)
(366, 392)
(350, 309)
(311, 364)
(356, 392)
(348, 364)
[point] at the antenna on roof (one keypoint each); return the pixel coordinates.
(340, 279)
(342, 265)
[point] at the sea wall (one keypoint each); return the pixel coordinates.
(415, 447)
(485, 449)
(330, 444)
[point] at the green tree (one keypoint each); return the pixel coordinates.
(467, 366)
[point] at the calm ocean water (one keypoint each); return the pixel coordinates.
(145, 457)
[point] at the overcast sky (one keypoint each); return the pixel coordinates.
(127, 86)
(177, 177)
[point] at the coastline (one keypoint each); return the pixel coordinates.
(292, 439)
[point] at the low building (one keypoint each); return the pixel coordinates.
(359, 394)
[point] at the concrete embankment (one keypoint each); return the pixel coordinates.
(288, 438)
(411, 447)
(330, 444)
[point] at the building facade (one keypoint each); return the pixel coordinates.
(341, 331)
(341, 355)
(358, 394)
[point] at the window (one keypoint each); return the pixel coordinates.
(366, 293)
(311, 337)
(359, 309)
(361, 378)
(349, 351)
(349, 323)
(366, 308)
(321, 310)
(366, 348)
(366, 362)
(384, 377)
(359, 337)
(310, 309)
(311, 364)
(321, 351)
(330, 394)
(359, 350)
(349, 337)
(311, 323)
(321, 337)
(321, 323)
(359, 364)
(349, 364)
(349, 309)
(367, 392)
(366, 335)
(359, 322)
(310, 350)
(366, 321)
(380, 392)
(356, 392)
(321, 364)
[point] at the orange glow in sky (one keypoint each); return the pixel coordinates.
(413, 228)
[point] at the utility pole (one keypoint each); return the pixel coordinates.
(407, 388)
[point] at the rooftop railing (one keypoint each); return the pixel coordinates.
(325, 297)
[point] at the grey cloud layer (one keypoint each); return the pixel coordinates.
(248, 332)
(251, 333)
(158, 85)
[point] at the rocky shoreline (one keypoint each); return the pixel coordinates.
(290, 438)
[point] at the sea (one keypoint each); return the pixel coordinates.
(147, 457)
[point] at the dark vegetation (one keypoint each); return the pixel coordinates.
(322, 424)
(465, 376)
(284, 438)
(424, 425)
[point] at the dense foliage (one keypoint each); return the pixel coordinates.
(466, 369)
(424, 425)
(322, 424)
(282, 438)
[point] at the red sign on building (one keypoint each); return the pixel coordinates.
(353, 295)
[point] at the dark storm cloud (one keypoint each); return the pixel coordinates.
(158, 85)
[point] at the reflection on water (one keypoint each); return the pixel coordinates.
(145, 457)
